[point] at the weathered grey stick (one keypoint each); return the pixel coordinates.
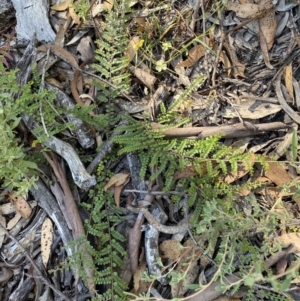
(151, 244)
(48, 203)
(83, 134)
(80, 176)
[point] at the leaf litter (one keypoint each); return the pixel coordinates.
(250, 62)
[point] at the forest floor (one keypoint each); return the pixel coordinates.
(150, 150)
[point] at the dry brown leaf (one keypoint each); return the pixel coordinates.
(144, 26)
(251, 110)
(134, 45)
(170, 249)
(73, 15)
(134, 239)
(284, 144)
(145, 77)
(185, 173)
(99, 7)
(264, 49)
(117, 180)
(62, 6)
(3, 223)
(86, 48)
(195, 54)
(21, 205)
(288, 79)
(277, 174)
(191, 171)
(46, 240)
(140, 286)
(226, 62)
(274, 192)
(241, 171)
(238, 68)
(188, 264)
(14, 221)
(267, 23)
(60, 35)
(54, 82)
(65, 54)
(281, 265)
(244, 10)
(289, 238)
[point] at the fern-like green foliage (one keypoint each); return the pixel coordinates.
(106, 248)
(111, 61)
(207, 160)
(16, 171)
(198, 168)
(108, 252)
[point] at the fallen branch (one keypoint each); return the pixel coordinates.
(227, 131)
(80, 176)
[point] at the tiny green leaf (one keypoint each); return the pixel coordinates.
(295, 145)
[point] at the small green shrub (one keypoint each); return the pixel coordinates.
(16, 173)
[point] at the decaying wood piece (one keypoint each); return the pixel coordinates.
(227, 131)
(32, 20)
(46, 201)
(24, 65)
(83, 134)
(151, 244)
(6, 12)
(80, 176)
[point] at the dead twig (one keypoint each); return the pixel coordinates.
(227, 131)
(160, 227)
